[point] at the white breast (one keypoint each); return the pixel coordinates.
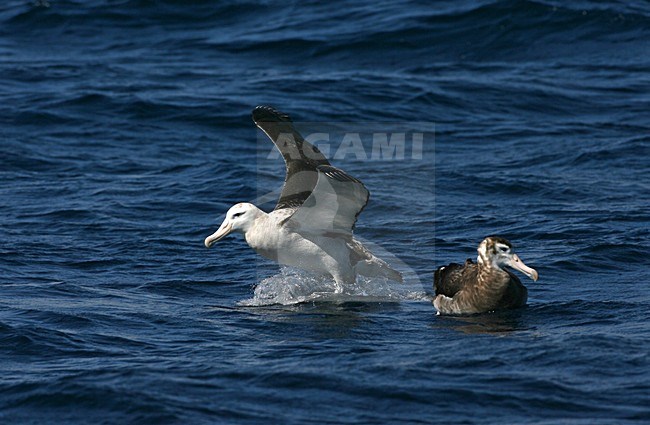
(274, 241)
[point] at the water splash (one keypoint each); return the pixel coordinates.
(293, 286)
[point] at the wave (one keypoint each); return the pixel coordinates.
(464, 30)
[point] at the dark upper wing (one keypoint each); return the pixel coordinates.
(448, 280)
(333, 206)
(300, 157)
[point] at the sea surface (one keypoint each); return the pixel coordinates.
(125, 135)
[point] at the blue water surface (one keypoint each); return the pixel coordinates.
(126, 134)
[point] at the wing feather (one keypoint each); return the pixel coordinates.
(333, 206)
(450, 279)
(301, 157)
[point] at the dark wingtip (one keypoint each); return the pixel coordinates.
(265, 113)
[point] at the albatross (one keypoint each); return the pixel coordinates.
(312, 225)
(485, 285)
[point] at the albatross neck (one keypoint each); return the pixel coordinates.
(259, 221)
(491, 277)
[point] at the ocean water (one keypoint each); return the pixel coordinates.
(126, 134)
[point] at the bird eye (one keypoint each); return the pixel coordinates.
(503, 248)
(235, 215)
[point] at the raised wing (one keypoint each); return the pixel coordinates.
(333, 206)
(300, 157)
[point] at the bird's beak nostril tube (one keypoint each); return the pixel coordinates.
(517, 264)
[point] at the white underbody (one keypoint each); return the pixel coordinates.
(312, 252)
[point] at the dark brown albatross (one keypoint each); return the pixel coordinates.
(483, 286)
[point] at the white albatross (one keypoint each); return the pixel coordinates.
(311, 226)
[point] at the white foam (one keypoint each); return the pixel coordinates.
(292, 286)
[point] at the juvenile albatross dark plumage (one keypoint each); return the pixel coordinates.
(485, 285)
(312, 224)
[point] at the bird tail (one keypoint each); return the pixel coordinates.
(366, 264)
(375, 267)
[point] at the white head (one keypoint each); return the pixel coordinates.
(497, 252)
(239, 218)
